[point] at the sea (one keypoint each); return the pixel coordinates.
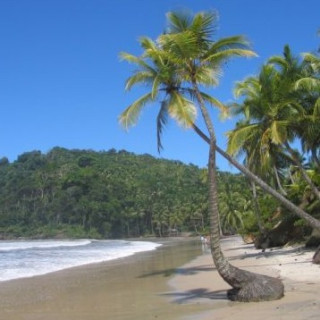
(24, 259)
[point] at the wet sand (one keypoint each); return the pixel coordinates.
(199, 283)
(131, 288)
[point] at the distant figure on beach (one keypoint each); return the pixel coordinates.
(204, 240)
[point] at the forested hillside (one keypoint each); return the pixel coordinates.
(81, 193)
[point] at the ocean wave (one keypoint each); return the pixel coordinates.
(24, 259)
(23, 245)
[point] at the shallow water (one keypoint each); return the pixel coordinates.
(130, 288)
(23, 259)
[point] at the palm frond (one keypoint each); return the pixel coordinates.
(221, 56)
(287, 64)
(265, 141)
(134, 59)
(180, 45)
(279, 61)
(147, 44)
(178, 21)
(129, 117)
(238, 137)
(316, 109)
(153, 52)
(141, 77)
(208, 76)
(182, 110)
(216, 103)
(308, 83)
(204, 25)
(249, 87)
(233, 42)
(279, 132)
(155, 87)
(313, 60)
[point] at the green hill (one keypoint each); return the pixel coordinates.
(83, 193)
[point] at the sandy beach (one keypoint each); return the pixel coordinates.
(199, 283)
(175, 282)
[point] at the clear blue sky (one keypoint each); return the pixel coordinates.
(62, 83)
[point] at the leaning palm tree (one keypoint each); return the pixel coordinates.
(200, 64)
(195, 60)
(232, 206)
(149, 70)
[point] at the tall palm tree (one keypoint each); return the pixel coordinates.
(294, 76)
(263, 164)
(273, 109)
(197, 59)
(266, 161)
(309, 87)
(153, 65)
(232, 206)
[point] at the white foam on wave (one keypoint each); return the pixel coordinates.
(34, 260)
(22, 245)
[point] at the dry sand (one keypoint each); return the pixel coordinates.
(199, 283)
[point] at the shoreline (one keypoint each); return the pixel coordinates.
(129, 288)
(177, 281)
(198, 282)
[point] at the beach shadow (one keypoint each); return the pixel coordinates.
(180, 271)
(249, 247)
(296, 263)
(271, 253)
(195, 294)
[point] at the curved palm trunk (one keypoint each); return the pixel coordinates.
(246, 286)
(257, 207)
(278, 181)
(291, 176)
(315, 157)
(315, 223)
(303, 172)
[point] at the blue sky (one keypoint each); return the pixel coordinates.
(62, 82)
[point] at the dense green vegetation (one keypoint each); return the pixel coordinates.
(79, 193)
(279, 134)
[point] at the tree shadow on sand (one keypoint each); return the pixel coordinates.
(195, 294)
(298, 251)
(180, 271)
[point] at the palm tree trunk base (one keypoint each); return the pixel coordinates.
(257, 288)
(316, 257)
